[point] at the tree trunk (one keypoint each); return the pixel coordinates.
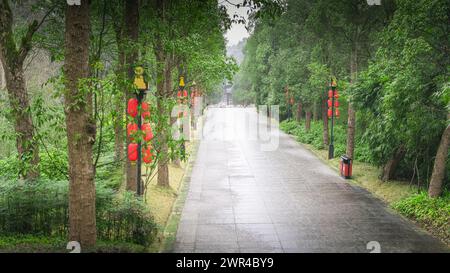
(169, 89)
(132, 33)
(351, 131)
(325, 123)
(80, 127)
(315, 112)
(163, 124)
(308, 120)
(120, 110)
(299, 111)
(12, 60)
(351, 112)
(437, 177)
(2, 76)
(391, 165)
(27, 146)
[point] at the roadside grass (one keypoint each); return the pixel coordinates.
(161, 200)
(45, 244)
(366, 175)
(166, 204)
(409, 200)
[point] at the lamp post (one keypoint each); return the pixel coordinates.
(182, 97)
(332, 112)
(141, 86)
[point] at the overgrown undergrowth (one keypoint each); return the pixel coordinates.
(40, 209)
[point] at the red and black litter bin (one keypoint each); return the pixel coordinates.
(345, 167)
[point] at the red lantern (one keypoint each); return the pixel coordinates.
(336, 103)
(132, 151)
(185, 94)
(132, 108)
(337, 113)
(179, 94)
(148, 133)
(144, 106)
(330, 94)
(132, 128)
(145, 110)
(330, 113)
(147, 154)
(146, 115)
(336, 94)
(329, 103)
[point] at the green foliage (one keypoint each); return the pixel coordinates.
(431, 212)
(315, 136)
(53, 165)
(41, 208)
(45, 244)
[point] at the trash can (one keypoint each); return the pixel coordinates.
(345, 167)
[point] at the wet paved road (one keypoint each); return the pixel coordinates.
(243, 199)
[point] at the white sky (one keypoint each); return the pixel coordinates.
(237, 31)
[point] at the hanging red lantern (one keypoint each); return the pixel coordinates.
(148, 133)
(132, 108)
(329, 103)
(337, 113)
(336, 94)
(144, 106)
(146, 115)
(330, 113)
(330, 94)
(179, 94)
(336, 103)
(132, 128)
(145, 110)
(147, 154)
(132, 151)
(185, 94)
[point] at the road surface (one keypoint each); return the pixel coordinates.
(245, 198)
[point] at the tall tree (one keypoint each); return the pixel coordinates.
(131, 58)
(12, 56)
(80, 126)
(117, 11)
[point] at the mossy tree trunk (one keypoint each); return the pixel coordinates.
(12, 59)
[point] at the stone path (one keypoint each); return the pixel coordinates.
(244, 199)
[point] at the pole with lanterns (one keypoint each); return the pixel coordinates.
(333, 111)
(182, 97)
(139, 128)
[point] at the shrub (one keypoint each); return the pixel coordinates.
(41, 208)
(315, 138)
(431, 212)
(52, 165)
